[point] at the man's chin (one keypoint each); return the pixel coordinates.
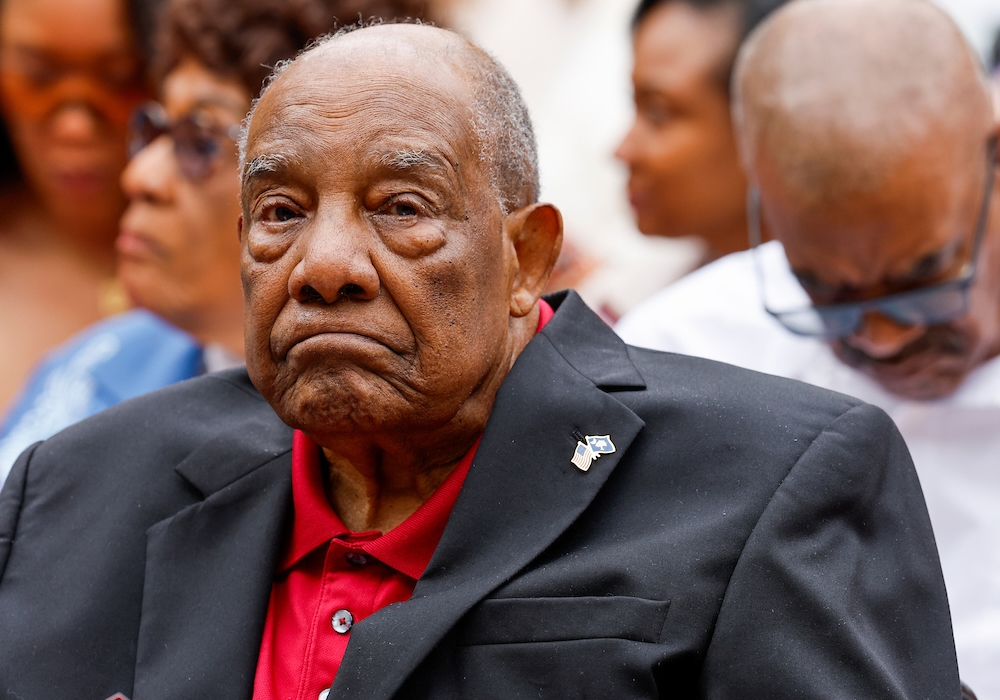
(917, 387)
(918, 378)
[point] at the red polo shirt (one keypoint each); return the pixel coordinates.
(330, 578)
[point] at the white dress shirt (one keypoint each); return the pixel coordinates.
(717, 313)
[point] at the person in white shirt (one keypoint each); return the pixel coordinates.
(868, 133)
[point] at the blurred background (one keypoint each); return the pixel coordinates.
(573, 59)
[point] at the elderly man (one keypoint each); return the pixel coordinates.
(868, 129)
(445, 486)
(684, 172)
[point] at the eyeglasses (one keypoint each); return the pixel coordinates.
(36, 85)
(197, 139)
(926, 306)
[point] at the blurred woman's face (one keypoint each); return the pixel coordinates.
(69, 78)
(179, 252)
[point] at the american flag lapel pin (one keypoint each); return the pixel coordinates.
(589, 448)
(118, 696)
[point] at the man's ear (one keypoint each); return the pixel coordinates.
(239, 228)
(536, 233)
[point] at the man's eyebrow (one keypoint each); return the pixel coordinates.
(933, 264)
(410, 159)
(264, 164)
(926, 268)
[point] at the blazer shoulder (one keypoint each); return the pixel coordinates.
(168, 424)
(747, 412)
(683, 375)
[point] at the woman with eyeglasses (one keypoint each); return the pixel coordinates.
(178, 247)
(71, 73)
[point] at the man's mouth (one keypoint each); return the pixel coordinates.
(930, 367)
(332, 341)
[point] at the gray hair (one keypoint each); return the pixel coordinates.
(498, 115)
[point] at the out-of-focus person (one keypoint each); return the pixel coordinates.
(869, 134)
(179, 252)
(572, 60)
(70, 75)
(685, 177)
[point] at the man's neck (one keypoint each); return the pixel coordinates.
(375, 482)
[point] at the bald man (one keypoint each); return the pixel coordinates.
(431, 483)
(868, 132)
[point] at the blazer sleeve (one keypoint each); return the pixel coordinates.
(838, 592)
(11, 500)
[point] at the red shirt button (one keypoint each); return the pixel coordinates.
(356, 558)
(343, 621)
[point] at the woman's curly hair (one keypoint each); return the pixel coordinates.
(244, 39)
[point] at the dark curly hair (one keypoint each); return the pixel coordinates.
(244, 39)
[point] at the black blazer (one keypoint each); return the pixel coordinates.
(752, 537)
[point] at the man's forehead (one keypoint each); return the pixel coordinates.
(376, 94)
(396, 136)
(430, 56)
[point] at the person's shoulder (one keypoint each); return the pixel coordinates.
(720, 293)
(675, 381)
(131, 331)
(126, 325)
(708, 286)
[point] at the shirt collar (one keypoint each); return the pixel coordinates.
(407, 548)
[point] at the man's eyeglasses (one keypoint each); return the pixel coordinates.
(925, 306)
(197, 140)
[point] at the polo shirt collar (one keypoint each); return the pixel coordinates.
(407, 548)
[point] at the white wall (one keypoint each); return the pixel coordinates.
(979, 20)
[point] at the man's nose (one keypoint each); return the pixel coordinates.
(880, 337)
(335, 264)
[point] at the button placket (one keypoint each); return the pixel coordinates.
(356, 558)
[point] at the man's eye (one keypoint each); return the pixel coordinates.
(403, 210)
(281, 213)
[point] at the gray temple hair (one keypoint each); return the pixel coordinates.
(498, 114)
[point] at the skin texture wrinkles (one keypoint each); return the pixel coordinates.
(874, 181)
(386, 299)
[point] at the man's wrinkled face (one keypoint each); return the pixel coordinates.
(916, 231)
(376, 277)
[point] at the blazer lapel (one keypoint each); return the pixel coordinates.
(521, 493)
(209, 569)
